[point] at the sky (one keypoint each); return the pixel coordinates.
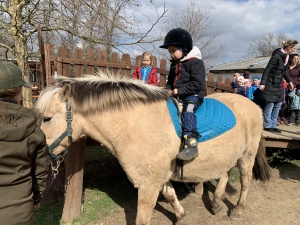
(238, 22)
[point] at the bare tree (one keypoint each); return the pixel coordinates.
(16, 26)
(196, 21)
(265, 44)
(99, 23)
(105, 24)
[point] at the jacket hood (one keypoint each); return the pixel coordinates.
(16, 122)
(279, 52)
(194, 53)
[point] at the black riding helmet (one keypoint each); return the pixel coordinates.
(180, 38)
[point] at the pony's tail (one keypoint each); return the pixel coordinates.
(261, 169)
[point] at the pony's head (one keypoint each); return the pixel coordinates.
(52, 107)
(66, 107)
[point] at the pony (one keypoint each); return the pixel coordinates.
(133, 121)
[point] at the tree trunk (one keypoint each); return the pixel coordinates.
(18, 32)
(21, 58)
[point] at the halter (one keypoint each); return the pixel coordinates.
(67, 133)
(58, 159)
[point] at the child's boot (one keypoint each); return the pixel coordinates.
(190, 149)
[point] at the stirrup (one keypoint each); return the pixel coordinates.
(190, 149)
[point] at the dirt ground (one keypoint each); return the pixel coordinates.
(273, 203)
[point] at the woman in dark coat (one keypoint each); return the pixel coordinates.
(271, 83)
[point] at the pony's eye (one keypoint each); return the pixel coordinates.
(47, 119)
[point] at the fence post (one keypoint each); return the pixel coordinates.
(74, 181)
(210, 84)
(78, 67)
(115, 59)
(63, 68)
(163, 76)
(102, 57)
(126, 60)
(90, 56)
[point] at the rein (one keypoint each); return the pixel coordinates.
(58, 159)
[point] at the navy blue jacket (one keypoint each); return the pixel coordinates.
(188, 75)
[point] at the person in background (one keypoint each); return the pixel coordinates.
(186, 81)
(240, 89)
(254, 93)
(247, 81)
(234, 80)
(271, 83)
(294, 118)
(23, 151)
(146, 71)
(294, 68)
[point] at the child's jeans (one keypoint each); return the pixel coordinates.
(295, 116)
(188, 117)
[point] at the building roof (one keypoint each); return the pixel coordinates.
(250, 64)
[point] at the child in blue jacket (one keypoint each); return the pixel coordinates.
(295, 106)
(254, 93)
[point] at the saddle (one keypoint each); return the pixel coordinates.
(213, 119)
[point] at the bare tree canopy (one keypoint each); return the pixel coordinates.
(265, 44)
(196, 21)
(99, 24)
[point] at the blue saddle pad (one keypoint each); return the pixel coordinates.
(213, 119)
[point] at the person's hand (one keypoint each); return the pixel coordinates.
(262, 87)
(37, 206)
(175, 91)
(170, 93)
(291, 86)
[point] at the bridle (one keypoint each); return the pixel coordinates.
(66, 133)
(58, 159)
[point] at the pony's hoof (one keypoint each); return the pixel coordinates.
(233, 215)
(180, 220)
(216, 209)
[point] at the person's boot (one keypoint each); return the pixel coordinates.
(190, 149)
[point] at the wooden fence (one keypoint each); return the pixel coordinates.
(90, 61)
(78, 63)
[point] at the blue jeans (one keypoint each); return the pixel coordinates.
(271, 114)
(188, 117)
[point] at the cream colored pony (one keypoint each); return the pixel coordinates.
(132, 120)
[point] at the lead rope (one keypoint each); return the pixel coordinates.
(58, 161)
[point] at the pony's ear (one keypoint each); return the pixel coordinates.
(65, 92)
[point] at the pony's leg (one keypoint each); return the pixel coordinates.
(245, 166)
(169, 193)
(147, 198)
(199, 189)
(217, 203)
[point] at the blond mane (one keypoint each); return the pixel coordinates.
(101, 93)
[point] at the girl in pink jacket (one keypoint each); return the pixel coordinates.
(146, 71)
